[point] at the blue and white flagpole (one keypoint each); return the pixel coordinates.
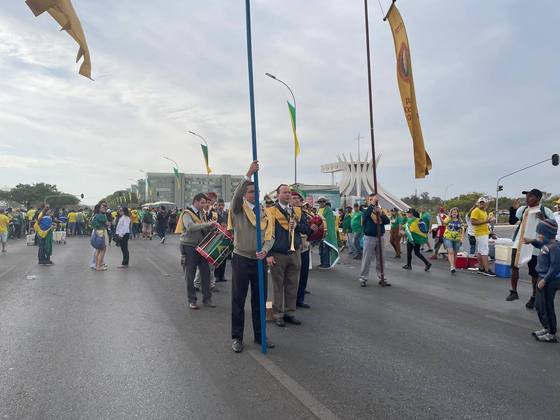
(256, 175)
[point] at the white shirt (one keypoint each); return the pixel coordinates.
(286, 207)
(557, 218)
(123, 227)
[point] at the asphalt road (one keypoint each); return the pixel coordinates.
(75, 343)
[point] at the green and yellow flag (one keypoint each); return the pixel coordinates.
(177, 177)
(422, 161)
(63, 12)
(205, 154)
(292, 110)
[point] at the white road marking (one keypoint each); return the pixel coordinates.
(7, 271)
(310, 402)
(158, 268)
(510, 322)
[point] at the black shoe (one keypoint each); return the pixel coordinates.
(428, 266)
(269, 344)
(489, 273)
(292, 320)
(280, 322)
(221, 280)
(407, 267)
(303, 305)
(307, 292)
(530, 303)
(197, 289)
(384, 283)
(512, 296)
(237, 345)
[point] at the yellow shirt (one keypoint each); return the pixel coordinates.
(480, 216)
(30, 214)
(134, 218)
(71, 217)
(4, 222)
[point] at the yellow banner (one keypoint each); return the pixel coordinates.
(422, 162)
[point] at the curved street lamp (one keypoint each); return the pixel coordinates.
(294, 99)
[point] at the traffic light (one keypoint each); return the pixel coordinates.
(500, 187)
(555, 159)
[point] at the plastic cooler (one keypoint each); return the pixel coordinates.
(502, 269)
(465, 262)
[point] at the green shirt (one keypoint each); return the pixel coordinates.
(347, 224)
(396, 221)
(356, 222)
(99, 221)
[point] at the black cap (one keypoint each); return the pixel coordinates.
(535, 192)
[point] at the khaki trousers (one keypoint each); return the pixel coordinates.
(285, 280)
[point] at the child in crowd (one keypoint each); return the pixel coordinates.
(548, 267)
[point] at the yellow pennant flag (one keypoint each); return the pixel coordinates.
(292, 110)
(422, 162)
(63, 12)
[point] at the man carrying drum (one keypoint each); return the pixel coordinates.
(195, 229)
(242, 220)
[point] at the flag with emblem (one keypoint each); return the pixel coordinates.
(422, 161)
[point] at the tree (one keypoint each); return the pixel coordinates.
(35, 194)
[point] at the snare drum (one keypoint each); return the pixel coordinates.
(216, 246)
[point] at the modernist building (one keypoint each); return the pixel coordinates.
(357, 181)
(161, 186)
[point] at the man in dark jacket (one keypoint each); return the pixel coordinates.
(373, 221)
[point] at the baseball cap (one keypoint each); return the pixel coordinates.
(321, 198)
(534, 191)
(481, 200)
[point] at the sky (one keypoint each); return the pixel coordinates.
(486, 78)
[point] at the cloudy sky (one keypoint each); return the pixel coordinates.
(486, 77)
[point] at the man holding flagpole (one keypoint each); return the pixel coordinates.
(244, 262)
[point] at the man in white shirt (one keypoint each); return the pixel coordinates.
(517, 214)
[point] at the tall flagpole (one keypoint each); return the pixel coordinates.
(256, 175)
(374, 166)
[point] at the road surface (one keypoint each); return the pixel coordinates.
(75, 343)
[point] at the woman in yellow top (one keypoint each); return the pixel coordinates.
(453, 236)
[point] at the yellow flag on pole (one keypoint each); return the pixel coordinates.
(422, 161)
(63, 12)
(292, 110)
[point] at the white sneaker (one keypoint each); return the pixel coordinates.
(453, 271)
(547, 338)
(538, 333)
(363, 282)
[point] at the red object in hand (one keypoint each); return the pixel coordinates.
(320, 232)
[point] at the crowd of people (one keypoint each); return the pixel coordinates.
(290, 227)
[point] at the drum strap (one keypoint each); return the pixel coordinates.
(195, 218)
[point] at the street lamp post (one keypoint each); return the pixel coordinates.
(553, 159)
(294, 99)
(445, 192)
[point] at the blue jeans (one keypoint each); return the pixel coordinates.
(545, 305)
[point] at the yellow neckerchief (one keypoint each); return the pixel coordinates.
(195, 218)
(250, 215)
(275, 214)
